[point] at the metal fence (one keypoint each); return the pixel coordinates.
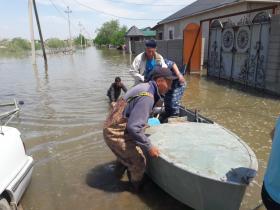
(170, 49)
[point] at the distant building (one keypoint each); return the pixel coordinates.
(134, 34)
(148, 33)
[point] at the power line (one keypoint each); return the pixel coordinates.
(106, 13)
(62, 14)
(73, 14)
(141, 4)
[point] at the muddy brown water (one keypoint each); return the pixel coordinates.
(61, 124)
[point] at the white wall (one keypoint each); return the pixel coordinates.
(197, 18)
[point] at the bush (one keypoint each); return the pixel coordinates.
(55, 43)
(18, 44)
(79, 39)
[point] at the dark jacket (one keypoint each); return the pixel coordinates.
(114, 91)
(138, 111)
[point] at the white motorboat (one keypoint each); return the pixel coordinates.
(15, 165)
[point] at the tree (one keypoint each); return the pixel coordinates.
(80, 40)
(55, 43)
(111, 33)
(19, 44)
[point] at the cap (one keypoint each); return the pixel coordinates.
(151, 43)
(163, 72)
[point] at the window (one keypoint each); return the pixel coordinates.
(160, 35)
(170, 34)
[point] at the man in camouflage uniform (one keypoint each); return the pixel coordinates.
(124, 128)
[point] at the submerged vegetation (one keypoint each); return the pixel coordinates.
(16, 46)
(55, 43)
(20, 47)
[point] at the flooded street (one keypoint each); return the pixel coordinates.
(61, 123)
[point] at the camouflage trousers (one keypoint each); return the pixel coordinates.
(122, 144)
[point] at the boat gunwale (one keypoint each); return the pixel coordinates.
(251, 154)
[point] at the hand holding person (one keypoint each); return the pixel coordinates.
(182, 79)
(113, 104)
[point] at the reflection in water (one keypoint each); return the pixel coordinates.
(61, 124)
(103, 177)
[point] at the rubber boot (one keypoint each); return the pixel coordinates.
(119, 169)
(136, 186)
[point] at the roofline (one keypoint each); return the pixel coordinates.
(133, 35)
(215, 8)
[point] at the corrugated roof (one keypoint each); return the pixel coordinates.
(195, 7)
(134, 31)
(148, 32)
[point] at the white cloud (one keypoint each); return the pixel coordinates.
(54, 23)
(121, 8)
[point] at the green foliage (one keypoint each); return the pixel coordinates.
(18, 44)
(15, 47)
(80, 40)
(38, 46)
(111, 33)
(55, 43)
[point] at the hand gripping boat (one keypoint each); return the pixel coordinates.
(201, 164)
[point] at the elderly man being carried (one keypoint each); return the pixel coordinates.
(145, 62)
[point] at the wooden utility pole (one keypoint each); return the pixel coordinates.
(30, 7)
(68, 11)
(40, 33)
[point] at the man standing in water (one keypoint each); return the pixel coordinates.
(114, 91)
(145, 62)
(271, 183)
(124, 128)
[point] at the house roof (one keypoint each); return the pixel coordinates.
(204, 5)
(134, 31)
(148, 32)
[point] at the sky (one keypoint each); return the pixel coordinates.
(86, 15)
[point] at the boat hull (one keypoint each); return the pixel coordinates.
(197, 192)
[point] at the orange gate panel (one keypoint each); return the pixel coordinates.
(192, 47)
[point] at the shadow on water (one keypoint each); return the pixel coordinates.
(103, 177)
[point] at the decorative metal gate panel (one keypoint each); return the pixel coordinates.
(239, 51)
(215, 45)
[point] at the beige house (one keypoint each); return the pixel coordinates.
(173, 26)
(237, 40)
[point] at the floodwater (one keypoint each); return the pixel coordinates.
(61, 124)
